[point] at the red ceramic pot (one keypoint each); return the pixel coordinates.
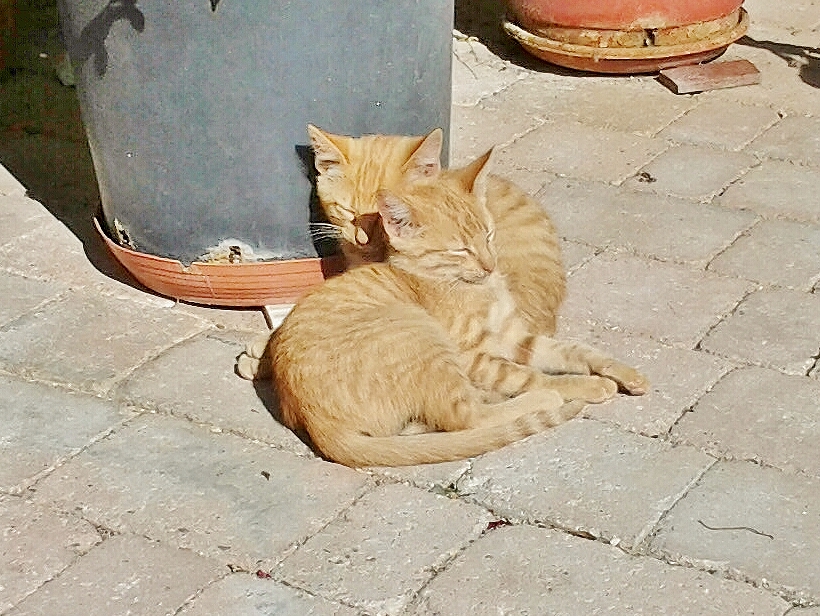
(626, 36)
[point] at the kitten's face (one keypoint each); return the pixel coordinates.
(442, 229)
(352, 171)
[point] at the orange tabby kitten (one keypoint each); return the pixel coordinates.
(427, 339)
(352, 171)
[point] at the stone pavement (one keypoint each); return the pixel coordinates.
(140, 476)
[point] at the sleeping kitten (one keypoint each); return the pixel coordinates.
(352, 171)
(427, 339)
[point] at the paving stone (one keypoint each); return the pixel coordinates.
(661, 226)
(580, 151)
(795, 138)
(35, 545)
(239, 319)
(601, 102)
(801, 13)
(587, 477)
(761, 415)
(478, 73)
(788, 75)
(809, 611)
(196, 380)
(43, 426)
(89, 341)
(774, 328)
(526, 570)
(384, 548)
(240, 502)
(678, 378)
(717, 123)
(247, 595)
(21, 295)
(9, 186)
(776, 189)
(692, 171)
(775, 252)
(474, 130)
(50, 252)
(669, 302)
(437, 478)
(743, 500)
(19, 215)
(124, 575)
(575, 254)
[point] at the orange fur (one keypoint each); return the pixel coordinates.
(428, 338)
(352, 171)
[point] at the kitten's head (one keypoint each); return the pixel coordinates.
(351, 172)
(442, 229)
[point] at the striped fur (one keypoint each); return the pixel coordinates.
(351, 171)
(430, 338)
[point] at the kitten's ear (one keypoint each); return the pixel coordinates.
(425, 161)
(396, 218)
(474, 176)
(327, 156)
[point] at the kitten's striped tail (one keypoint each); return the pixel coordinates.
(357, 449)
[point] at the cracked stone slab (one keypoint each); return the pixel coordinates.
(526, 570)
(580, 151)
(718, 123)
(196, 380)
(36, 544)
(587, 477)
(88, 341)
(677, 377)
(50, 251)
(762, 190)
(21, 295)
(9, 185)
(124, 575)
(474, 130)
(43, 426)
(599, 102)
(379, 553)
(774, 328)
(478, 73)
(767, 521)
(775, 252)
(19, 215)
(758, 414)
(244, 594)
(795, 138)
(692, 171)
(240, 502)
(660, 226)
(672, 303)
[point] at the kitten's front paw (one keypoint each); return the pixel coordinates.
(629, 379)
(592, 389)
(252, 368)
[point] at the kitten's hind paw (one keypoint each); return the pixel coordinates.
(629, 379)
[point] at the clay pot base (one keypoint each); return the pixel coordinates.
(254, 284)
(563, 46)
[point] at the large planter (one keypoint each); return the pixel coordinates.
(196, 116)
(626, 36)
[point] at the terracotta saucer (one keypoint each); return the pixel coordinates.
(258, 283)
(644, 59)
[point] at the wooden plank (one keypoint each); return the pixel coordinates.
(702, 77)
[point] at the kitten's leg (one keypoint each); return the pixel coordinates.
(556, 356)
(543, 406)
(254, 363)
(505, 377)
